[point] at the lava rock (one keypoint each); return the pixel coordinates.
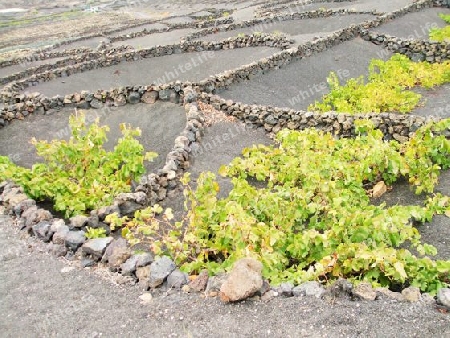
(386, 293)
(96, 104)
(58, 224)
(96, 247)
(312, 288)
(93, 221)
(199, 284)
(23, 206)
(116, 253)
(150, 97)
(271, 120)
(134, 98)
(443, 297)
(60, 232)
(129, 267)
(146, 298)
(159, 270)
(215, 282)
(87, 262)
(128, 203)
(411, 294)
(78, 221)
(105, 211)
(74, 239)
(34, 215)
(42, 230)
(177, 279)
(365, 291)
(144, 259)
(120, 100)
(269, 295)
(243, 281)
(143, 274)
(341, 288)
(285, 289)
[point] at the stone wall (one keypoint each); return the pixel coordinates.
(39, 104)
(43, 54)
(394, 126)
(416, 50)
(267, 22)
(155, 187)
(145, 32)
(108, 58)
(46, 53)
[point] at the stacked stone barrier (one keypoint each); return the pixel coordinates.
(267, 22)
(46, 53)
(395, 126)
(111, 57)
(416, 50)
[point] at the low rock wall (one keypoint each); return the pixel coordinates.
(394, 126)
(109, 58)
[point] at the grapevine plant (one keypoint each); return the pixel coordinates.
(313, 219)
(387, 88)
(79, 175)
(441, 34)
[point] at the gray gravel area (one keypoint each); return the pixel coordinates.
(89, 43)
(156, 25)
(414, 25)
(435, 102)
(10, 70)
(152, 40)
(304, 81)
(45, 297)
(357, 5)
(154, 70)
(296, 29)
(160, 124)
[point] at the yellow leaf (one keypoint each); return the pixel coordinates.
(168, 214)
(400, 269)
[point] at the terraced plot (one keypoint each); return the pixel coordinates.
(299, 30)
(148, 41)
(154, 70)
(157, 134)
(414, 25)
(151, 26)
(304, 81)
(10, 70)
(357, 5)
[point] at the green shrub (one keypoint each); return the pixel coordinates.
(441, 34)
(386, 89)
(92, 233)
(314, 219)
(80, 175)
